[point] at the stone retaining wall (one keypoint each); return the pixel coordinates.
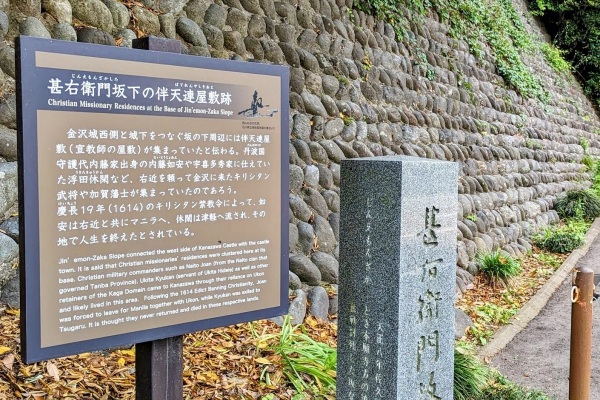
(355, 92)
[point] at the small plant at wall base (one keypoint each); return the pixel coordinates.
(579, 204)
(470, 376)
(499, 268)
(562, 238)
(309, 365)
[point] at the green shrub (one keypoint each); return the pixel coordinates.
(495, 23)
(309, 365)
(501, 388)
(575, 29)
(499, 268)
(475, 381)
(555, 58)
(470, 375)
(581, 204)
(589, 162)
(562, 238)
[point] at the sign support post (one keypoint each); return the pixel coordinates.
(159, 363)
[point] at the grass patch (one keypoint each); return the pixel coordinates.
(470, 375)
(309, 365)
(562, 238)
(500, 388)
(579, 204)
(555, 58)
(475, 381)
(500, 269)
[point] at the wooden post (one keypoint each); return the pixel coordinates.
(159, 363)
(581, 334)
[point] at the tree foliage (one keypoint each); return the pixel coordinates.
(575, 28)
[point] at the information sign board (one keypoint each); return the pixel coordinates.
(153, 189)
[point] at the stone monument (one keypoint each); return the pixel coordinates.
(397, 279)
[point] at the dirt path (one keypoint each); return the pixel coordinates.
(538, 357)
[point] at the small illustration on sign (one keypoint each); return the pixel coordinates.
(257, 102)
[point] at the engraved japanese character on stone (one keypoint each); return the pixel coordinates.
(428, 390)
(428, 345)
(428, 305)
(430, 237)
(430, 269)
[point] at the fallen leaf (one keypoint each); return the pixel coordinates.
(8, 361)
(121, 362)
(4, 349)
(262, 360)
(52, 370)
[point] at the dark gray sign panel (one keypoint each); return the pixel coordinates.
(153, 188)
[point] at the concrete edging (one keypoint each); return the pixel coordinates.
(532, 308)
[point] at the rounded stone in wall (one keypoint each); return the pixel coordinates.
(33, 27)
(299, 208)
(201, 51)
(325, 176)
(191, 32)
(328, 266)
(119, 12)
(332, 199)
(481, 245)
(462, 257)
(252, 6)
(334, 153)
(330, 85)
(9, 253)
(291, 55)
(254, 46)
(311, 176)
(59, 9)
(464, 230)
(214, 36)
(346, 149)
(94, 13)
(126, 36)
(296, 178)
(234, 42)
(325, 238)
(303, 150)
(238, 21)
(471, 249)
(306, 237)
(294, 281)
(95, 36)
(302, 126)
(273, 53)
(257, 26)
(215, 15)
(314, 199)
(305, 269)
(319, 303)
(168, 25)
(330, 106)
(10, 292)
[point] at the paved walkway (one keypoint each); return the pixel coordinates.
(534, 352)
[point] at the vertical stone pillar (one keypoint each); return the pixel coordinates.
(397, 279)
